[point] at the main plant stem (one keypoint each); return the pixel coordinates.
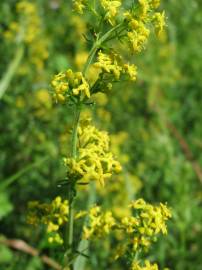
(71, 193)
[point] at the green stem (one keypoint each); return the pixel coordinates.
(111, 31)
(70, 224)
(97, 46)
(5, 81)
(71, 195)
(74, 134)
(90, 58)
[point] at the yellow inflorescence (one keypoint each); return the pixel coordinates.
(109, 64)
(94, 160)
(68, 84)
(147, 266)
(155, 3)
(138, 19)
(138, 23)
(139, 228)
(79, 5)
(138, 35)
(100, 223)
(144, 8)
(113, 64)
(151, 221)
(111, 8)
(159, 22)
(131, 71)
(152, 218)
(53, 216)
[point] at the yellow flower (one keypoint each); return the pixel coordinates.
(100, 224)
(152, 218)
(138, 204)
(159, 22)
(51, 227)
(144, 9)
(147, 266)
(94, 161)
(130, 224)
(139, 227)
(68, 84)
(55, 238)
(138, 37)
(138, 23)
(111, 8)
(131, 70)
(114, 65)
(79, 5)
(53, 215)
(109, 63)
(155, 3)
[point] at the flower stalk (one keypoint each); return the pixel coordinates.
(71, 193)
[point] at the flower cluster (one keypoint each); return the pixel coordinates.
(138, 21)
(133, 29)
(100, 223)
(53, 216)
(112, 63)
(140, 228)
(159, 22)
(94, 160)
(138, 35)
(111, 9)
(68, 84)
(149, 221)
(79, 5)
(155, 3)
(147, 266)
